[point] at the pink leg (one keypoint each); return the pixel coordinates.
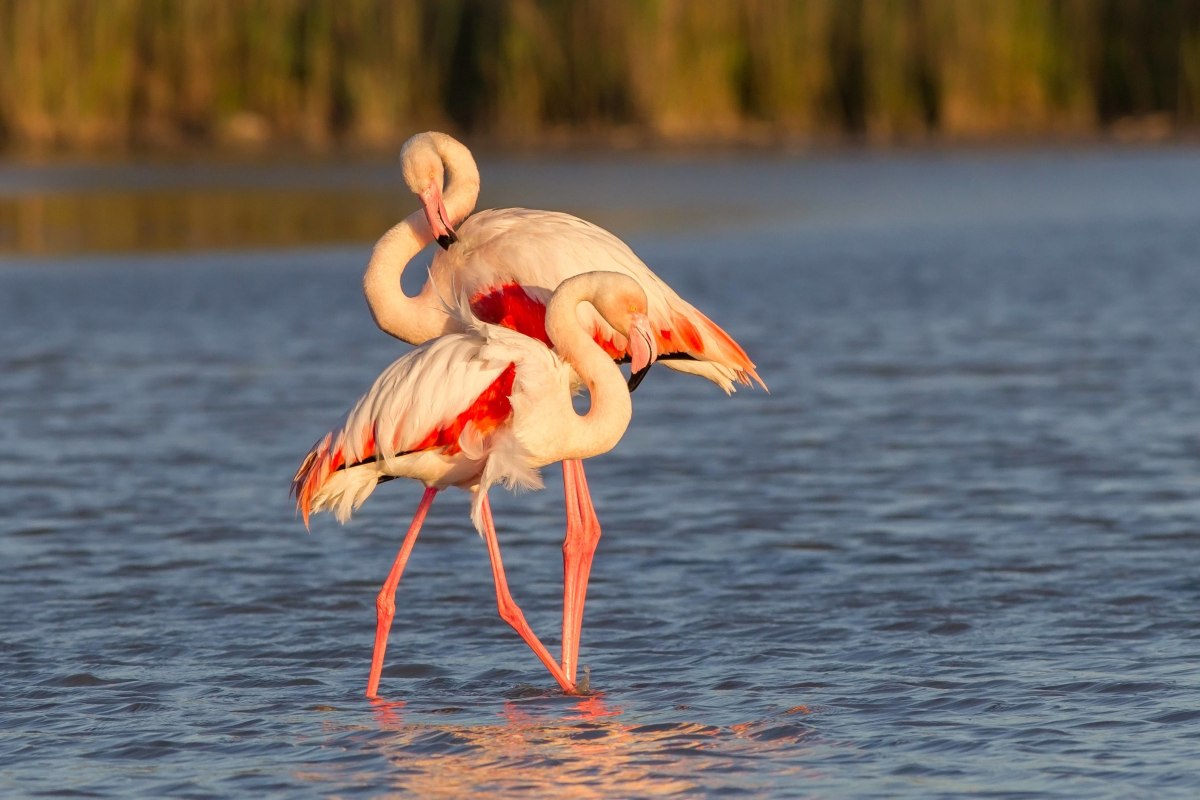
(509, 611)
(579, 546)
(385, 602)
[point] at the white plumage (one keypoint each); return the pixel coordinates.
(471, 409)
(493, 254)
(423, 392)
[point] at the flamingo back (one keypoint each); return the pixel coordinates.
(437, 415)
(509, 261)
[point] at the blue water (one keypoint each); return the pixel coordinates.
(954, 552)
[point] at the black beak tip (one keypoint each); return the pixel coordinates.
(635, 379)
(446, 239)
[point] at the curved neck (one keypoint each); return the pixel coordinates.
(412, 319)
(599, 430)
(461, 189)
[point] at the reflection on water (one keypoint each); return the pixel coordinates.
(60, 209)
(588, 751)
(123, 221)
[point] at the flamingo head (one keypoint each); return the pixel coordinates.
(425, 176)
(623, 303)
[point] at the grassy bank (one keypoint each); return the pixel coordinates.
(80, 74)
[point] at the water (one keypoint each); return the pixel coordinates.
(956, 551)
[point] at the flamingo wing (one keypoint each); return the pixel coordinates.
(509, 261)
(433, 415)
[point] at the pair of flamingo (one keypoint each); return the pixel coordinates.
(543, 302)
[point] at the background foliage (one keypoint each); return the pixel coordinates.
(117, 73)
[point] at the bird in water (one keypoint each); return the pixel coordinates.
(507, 263)
(477, 407)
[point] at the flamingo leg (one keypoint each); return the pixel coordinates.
(579, 547)
(385, 601)
(509, 611)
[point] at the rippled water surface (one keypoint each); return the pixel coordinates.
(956, 551)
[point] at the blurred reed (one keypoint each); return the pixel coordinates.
(79, 74)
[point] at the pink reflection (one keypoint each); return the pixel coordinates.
(593, 707)
(590, 749)
(387, 712)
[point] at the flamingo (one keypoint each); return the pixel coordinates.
(508, 262)
(477, 407)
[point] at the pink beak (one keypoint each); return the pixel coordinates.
(643, 349)
(438, 218)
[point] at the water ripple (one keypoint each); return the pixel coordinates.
(953, 553)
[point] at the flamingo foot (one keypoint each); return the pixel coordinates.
(585, 686)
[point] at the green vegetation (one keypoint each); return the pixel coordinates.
(366, 73)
